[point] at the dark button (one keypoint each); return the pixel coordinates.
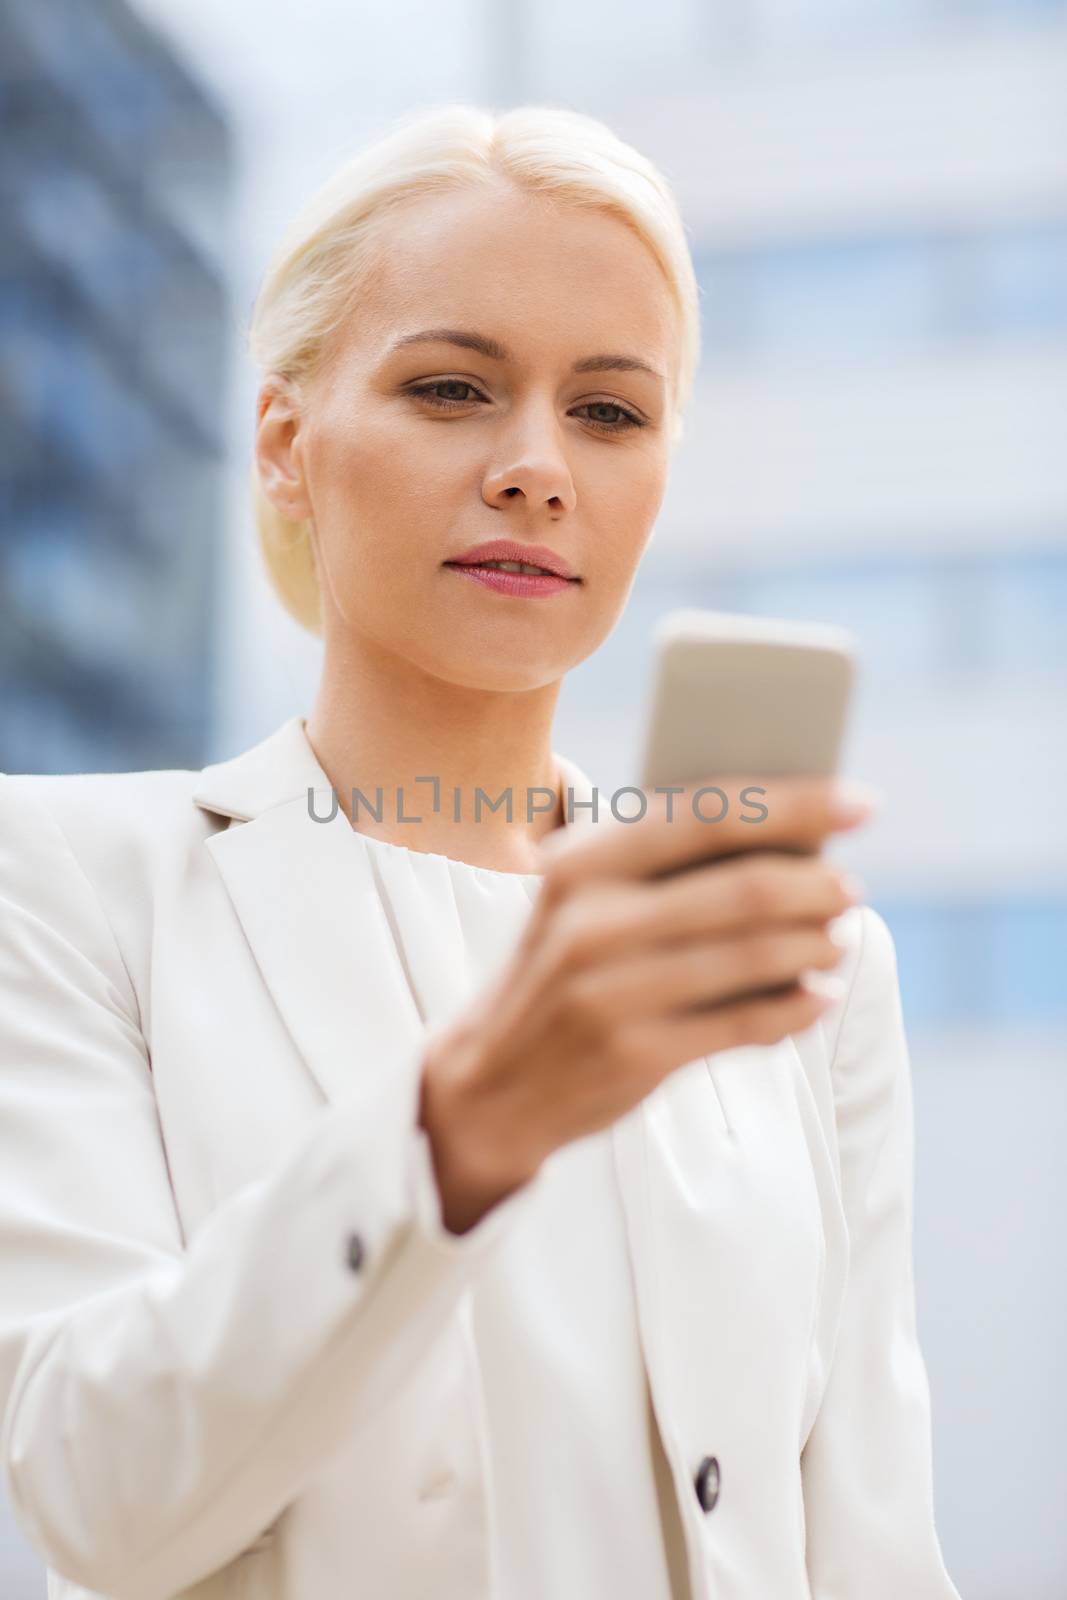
(707, 1483)
(354, 1251)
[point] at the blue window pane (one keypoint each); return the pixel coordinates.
(834, 297)
(842, 297)
(1023, 279)
(1029, 948)
(75, 225)
(924, 987)
(47, 370)
(995, 963)
(895, 613)
(779, 23)
(928, 620)
(856, 295)
(1015, 8)
(83, 51)
(725, 301)
(94, 597)
(1027, 609)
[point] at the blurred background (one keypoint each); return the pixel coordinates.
(876, 195)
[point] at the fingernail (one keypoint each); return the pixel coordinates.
(851, 800)
(854, 887)
(838, 931)
(824, 984)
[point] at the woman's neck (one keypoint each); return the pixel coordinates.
(461, 772)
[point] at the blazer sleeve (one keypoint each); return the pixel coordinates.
(867, 1469)
(161, 1404)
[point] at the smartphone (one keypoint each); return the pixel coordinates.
(739, 695)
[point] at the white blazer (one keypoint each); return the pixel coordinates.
(227, 1355)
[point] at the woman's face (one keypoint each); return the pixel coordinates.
(505, 442)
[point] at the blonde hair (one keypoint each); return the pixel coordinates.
(327, 253)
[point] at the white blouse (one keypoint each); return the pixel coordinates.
(567, 1406)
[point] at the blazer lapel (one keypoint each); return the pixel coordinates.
(310, 908)
(310, 912)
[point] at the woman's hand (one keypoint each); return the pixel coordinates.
(629, 967)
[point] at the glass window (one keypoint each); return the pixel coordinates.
(783, 23)
(840, 297)
(87, 593)
(778, 24)
(1011, 8)
(1022, 276)
(894, 611)
(1027, 613)
(997, 963)
(824, 297)
(62, 727)
(925, 987)
(66, 405)
(1028, 943)
(934, 620)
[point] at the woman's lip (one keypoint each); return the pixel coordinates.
(531, 555)
(526, 585)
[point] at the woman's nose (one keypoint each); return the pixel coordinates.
(536, 468)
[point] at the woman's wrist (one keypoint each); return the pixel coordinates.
(475, 1162)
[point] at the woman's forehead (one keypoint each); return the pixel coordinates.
(521, 272)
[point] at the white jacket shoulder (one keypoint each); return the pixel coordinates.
(93, 854)
(97, 809)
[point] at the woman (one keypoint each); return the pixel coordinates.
(397, 1209)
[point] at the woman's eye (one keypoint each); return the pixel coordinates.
(623, 419)
(428, 391)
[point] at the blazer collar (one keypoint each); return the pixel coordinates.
(283, 767)
(278, 768)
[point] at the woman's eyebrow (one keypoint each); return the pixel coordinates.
(496, 352)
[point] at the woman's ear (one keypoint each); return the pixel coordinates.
(278, 452)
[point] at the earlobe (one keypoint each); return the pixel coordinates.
(283, 490)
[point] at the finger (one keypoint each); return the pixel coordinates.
(687, 1036)
(793, 814)
(615, 917)
(703, 973)
(755, 887)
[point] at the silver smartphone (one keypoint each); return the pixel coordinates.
(738, 695)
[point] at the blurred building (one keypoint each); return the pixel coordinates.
(114, 177)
